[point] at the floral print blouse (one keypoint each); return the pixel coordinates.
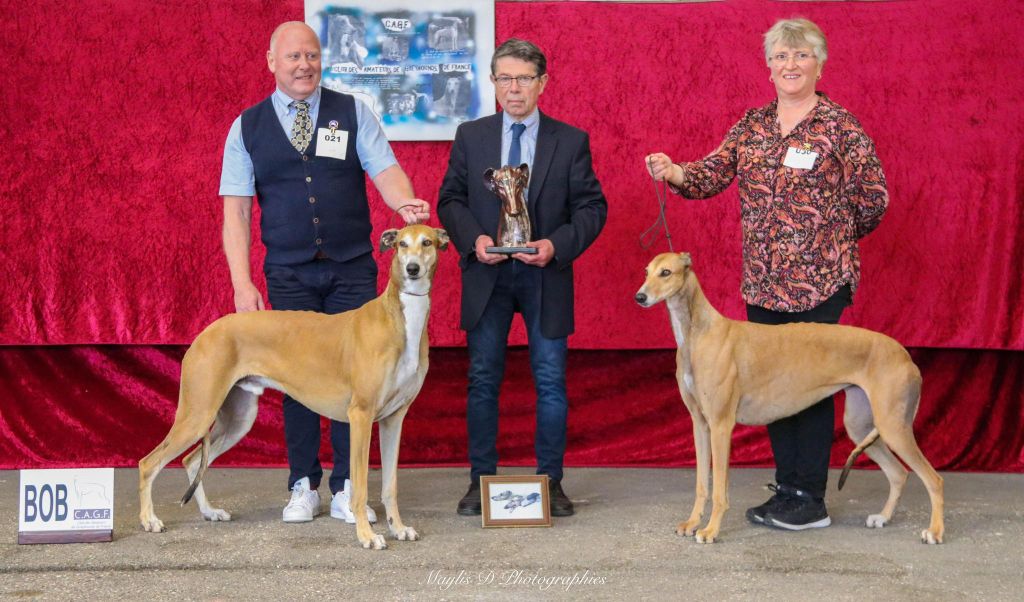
(800, 226)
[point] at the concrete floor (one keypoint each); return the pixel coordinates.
(620, 545)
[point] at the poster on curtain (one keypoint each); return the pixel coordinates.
(423, 67)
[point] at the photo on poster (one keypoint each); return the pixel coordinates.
(422, 67)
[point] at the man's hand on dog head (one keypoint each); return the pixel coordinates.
(414, 211)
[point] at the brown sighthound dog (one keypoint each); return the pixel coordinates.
(360, 366)
(730, 371)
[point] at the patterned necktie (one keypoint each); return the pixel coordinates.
(515, 151)
(302, 128)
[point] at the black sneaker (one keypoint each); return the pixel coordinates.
(756, 514)
(799, 510)
(561, 505)
(469, 505)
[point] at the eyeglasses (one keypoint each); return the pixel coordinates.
(799, 57)
(524, 81)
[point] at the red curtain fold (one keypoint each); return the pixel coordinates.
(111, 405)
(114, 133)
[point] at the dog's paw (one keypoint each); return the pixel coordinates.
(706, 536)
(930, 538)
(375, 542)
(216, 515)
(876, 521)
(153, 525)
(687, 528)
(405, 534)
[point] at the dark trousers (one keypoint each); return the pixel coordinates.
(329, 287)
(802, 443)
(518, 289)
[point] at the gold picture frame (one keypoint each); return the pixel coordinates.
(515, 501)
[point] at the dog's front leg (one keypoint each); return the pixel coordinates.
(702, 446)
(390, 436)
(721, 446)
(361, 425)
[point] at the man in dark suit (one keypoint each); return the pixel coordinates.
(567, 211)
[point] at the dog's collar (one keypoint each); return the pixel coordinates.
(414, 294)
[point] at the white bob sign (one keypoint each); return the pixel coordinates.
(66, 505)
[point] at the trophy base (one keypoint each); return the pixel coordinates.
(511, 250)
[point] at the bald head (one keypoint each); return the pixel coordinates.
(297, 26)
(294, 59)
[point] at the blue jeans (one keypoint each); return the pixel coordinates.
(329, 287)
(518, 289)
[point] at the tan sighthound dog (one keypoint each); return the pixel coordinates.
(360, 366)
(730, 371)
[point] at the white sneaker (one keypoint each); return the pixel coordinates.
(304, 505)
(340, 506)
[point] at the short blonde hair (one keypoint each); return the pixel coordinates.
(796, 33)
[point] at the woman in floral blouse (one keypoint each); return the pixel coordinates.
(810, 185)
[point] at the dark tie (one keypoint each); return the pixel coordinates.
(515, 151)
(301, 130)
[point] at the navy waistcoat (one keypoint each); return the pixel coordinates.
(309, 203)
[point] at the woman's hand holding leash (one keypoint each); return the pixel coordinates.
(662, 169)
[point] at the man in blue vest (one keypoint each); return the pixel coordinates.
(304, 152)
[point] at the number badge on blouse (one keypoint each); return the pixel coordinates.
(800, 158)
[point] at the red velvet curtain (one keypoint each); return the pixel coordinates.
(115, 114)
(111, 405)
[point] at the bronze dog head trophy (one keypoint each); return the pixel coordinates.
(509, 184)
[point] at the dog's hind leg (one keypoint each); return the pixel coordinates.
(361, 425)
(234, 419)
(859, 424)
(896, 425)
(186, 430)
(390, 436)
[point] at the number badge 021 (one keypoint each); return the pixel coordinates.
(331, 142)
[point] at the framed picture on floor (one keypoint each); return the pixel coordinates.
(515, 501)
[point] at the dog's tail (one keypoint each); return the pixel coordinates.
(204, 455)
(871, 438)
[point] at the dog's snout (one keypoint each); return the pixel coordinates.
(413, 269)
(641, 298)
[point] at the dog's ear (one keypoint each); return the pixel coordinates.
(442, 238)
(524, 171)
(388, 238)
(489, 179)
(685, 258)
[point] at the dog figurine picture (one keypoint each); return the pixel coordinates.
(359, 367)
(509, 184)
(731, 371)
